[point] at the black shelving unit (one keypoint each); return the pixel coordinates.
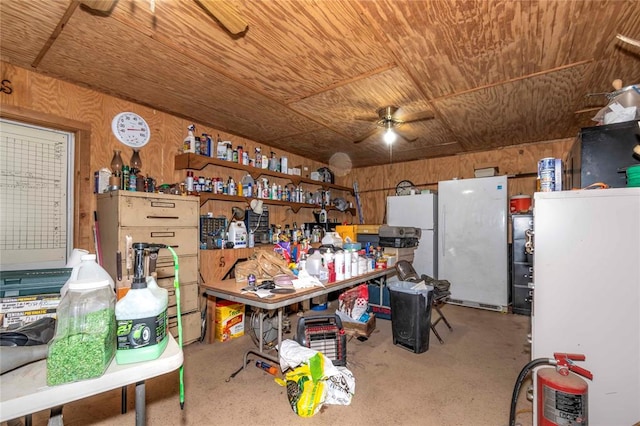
(521, 265)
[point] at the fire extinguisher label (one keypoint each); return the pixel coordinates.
(564, 409)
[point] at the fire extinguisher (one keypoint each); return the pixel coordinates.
(562, 397)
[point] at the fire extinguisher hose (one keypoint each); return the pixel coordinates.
(523, 374)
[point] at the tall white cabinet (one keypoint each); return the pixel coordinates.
(472, 241)
(155, 218)
(587, 293)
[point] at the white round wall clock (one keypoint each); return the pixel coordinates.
(131, 129)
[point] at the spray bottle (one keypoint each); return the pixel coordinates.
(190, 140)
(141, 316)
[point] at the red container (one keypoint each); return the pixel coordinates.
(519, 204)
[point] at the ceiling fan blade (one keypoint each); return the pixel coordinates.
(226, 14)
(369, 118)
(103, 6)
(417, 116)
(406, 137)
(369, 134)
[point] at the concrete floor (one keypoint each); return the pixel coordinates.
(468, 380)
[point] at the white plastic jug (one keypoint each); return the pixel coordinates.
(142, 322)
(314, 264)
(332, 238)
(85, 336)
(87, 270)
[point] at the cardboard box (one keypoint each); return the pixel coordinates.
(29, 303)
(400, 253)
(20, 318)
(229, 321)
(360, 328)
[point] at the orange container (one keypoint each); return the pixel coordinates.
(347, 231)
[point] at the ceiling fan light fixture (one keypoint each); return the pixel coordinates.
(389, 136)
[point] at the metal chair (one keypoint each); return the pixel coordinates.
(441, 292)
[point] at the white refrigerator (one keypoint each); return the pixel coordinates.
(472, 241)
(586, 295)
(418, 211)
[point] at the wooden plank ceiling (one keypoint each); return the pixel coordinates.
(308, 76)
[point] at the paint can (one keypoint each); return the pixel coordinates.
(546, 174)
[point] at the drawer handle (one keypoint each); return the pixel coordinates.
(221, 264)
(163, 217)
(164, 204)
(165, 234)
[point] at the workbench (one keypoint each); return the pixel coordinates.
(24, 390)
(232, 290)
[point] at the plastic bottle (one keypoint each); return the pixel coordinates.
(190, 141)
(313, 265)
(141, 317)
(87, 270)
(258, 158)
(347, 264)
(354, 265)
(124, 185)
(189, 182)
(231, 186)
(240, 154)
(85, 337)
(339, 265)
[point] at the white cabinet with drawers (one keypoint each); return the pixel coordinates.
(154, 218)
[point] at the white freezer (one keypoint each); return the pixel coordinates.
(472, 241)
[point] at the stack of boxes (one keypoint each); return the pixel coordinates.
(26, 296)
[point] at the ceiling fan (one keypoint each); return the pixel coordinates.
(387, 120)
(223, 11)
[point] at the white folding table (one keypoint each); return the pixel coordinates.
(24, 390)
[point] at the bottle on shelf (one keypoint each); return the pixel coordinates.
(273, 162)
(231, 186)
(258, 157)
(189, 182)
(189, 144)
(124, 184)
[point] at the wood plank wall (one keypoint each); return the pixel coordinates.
(42, 100)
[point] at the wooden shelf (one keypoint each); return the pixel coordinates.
(207, 196)
(199, 162)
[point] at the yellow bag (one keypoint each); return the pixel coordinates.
(306, 386)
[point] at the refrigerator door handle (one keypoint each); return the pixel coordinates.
(444, 227)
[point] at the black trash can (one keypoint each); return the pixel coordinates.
(410, 315)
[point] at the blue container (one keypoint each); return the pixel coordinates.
(379, 302)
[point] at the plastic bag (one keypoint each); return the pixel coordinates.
(354, 302)
(264, 265)
(313, 380)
